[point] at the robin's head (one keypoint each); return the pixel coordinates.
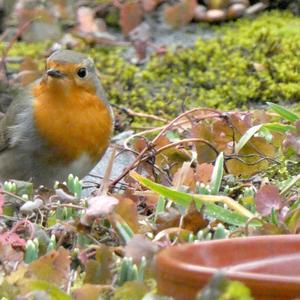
(69, 69)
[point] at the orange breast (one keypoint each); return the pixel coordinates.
(72, 123)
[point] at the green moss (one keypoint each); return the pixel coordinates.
(21, 49)
(248, 63)
(252, 61)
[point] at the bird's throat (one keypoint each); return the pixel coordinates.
(71, 124)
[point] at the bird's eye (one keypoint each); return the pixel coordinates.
(82, 72)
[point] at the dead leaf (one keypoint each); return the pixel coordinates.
(53, 267)
(131, 290)
(194, 220)
(140, 246)
(89, 291)
(169, 218)
(204, 131)
(150, 5)
(131, 15)
(10, 238)
(86, 20)
(184, 177)
(292, 220)
(98, 206)
(204, 172)
(99, 270)
(181, 13)
(268, 198)
(127, 209)
(9, 257)
(269, 229)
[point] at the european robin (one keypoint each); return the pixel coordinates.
(60, 124)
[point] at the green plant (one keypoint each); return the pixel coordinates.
(129, 271)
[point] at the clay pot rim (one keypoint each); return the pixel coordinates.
(174, 266)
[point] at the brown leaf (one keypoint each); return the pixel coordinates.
(131, 15)
(292, 220)
(12, 239)
(99, 270)
(140, 246)
(150, 5)
(169, 218)
(86, 20)
(269, 229)
(204, 152)
(53, 267)
(251, 165)
(268, 198)
(98, 206)
(9, 258)
(133, 290)
(171, 156)
(204, 172)
(89, 291)
(194, 220)
(184, 176)
(181, 13)
(127, 209)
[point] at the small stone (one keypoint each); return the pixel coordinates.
(245, 2)
(215, 15)
(236, 10)
(255, 8)
(200, 13)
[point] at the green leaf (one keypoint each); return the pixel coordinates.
(238, 291)
(281, 128)
(216, 177)
(289, 185)
(210, 209)
(160, 206)
(283, 112)
(54, 292)
(125, 231)
(246, 137)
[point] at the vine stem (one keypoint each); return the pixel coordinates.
(212, 114)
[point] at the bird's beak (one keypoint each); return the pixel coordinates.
(55, 73)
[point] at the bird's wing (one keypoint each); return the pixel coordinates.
(11, 120)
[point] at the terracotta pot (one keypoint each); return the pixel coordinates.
(268, 265)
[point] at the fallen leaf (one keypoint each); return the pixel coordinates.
(184, 176)
(53, 267)
(169, 218)
(268, 198)
(180, 14)
(86, 20)
(12, 239)
(204, 172)
(205, 153)
(131, 290)
(194, 220)
(9, 257)
(43, 289)
(98, 206)
(140, 246)
(131, 15)
(99, 270)
(89, 291)
(127, 209)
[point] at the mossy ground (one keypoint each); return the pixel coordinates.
(248, 63)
